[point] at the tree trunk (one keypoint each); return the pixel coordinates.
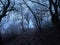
(0, 38)
(54, 15)
(55, 19)
(0, 35)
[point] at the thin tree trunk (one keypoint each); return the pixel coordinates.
(0, 34)
(38, 26)
(54, 15)
(22, 19)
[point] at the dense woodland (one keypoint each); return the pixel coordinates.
(37, 20)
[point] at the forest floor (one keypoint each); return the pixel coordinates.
(50, 36)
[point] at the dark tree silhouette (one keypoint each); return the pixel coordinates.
(4, 10)
(54, 13)
(37, 22)
(59, 3)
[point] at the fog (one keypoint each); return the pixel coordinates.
(22, 17)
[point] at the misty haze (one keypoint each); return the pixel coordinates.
(30, 22)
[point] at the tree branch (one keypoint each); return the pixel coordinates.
(4, 11)
(2, 3)
(12, 9)
(39, 4)
(38, 26)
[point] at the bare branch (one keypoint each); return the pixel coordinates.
(38, 26)
(39, 4)
(4, 11)
(2, 3)
(12, 9)
(56, 1)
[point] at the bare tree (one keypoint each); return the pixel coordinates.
(38, 26)
(54, 13)
(6, 7)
